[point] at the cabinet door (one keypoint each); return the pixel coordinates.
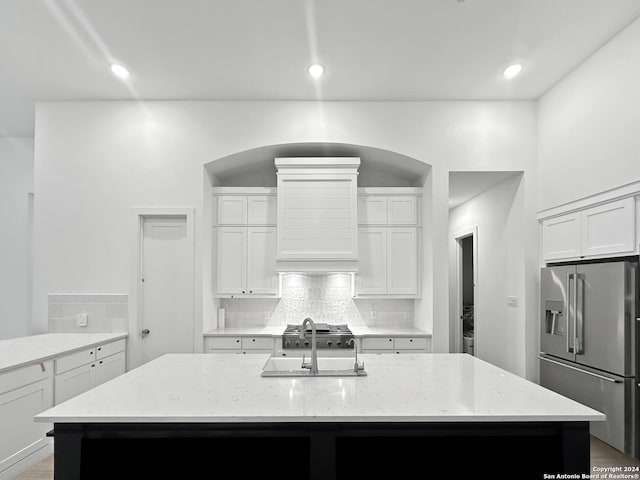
(372, 210)
(561, 237)
(609, 228)
(261, 261)
(402, 261)
(20, 434)
(231, 254)
(371, 278)
(108, 368)
(232, 210)
(74, 382)
(261, 210)
(402, 210)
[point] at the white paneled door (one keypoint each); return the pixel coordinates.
(167, 288)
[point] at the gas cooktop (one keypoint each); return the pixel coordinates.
(327, 336)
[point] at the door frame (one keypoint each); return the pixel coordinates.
(139, 215)
(458, 236)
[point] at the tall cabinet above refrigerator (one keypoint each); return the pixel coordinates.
(588, 343)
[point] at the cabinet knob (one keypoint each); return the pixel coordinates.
(145, 332)
(391, 339)
(243, 291)
(250, 291)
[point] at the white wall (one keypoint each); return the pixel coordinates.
(95, 160)
(589, 124)
(16, 183)
(498, 215)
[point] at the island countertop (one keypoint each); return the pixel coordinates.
(192, 388)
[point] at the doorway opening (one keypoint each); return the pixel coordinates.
(164, 320)
(467, 295)
(466, 291)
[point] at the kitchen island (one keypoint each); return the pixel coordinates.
(413, 416)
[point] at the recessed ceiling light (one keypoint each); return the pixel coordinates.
(119, 71)
(316, 70)
(512, 70)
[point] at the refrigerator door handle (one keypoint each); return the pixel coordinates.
(602, 377)
(578, 320)
(567, 319)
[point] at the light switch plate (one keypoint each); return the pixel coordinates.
(512, 301)
(81, 319)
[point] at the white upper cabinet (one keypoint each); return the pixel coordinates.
(609, 228)
(244, 206)
(372, 268)
(246, 261)
(261, 261)
(604, 230)
(231, 253)
(561, 237)
(261, 210)
(389, 206)
(232, 210)
(389, 238)
(372, 210)
(317, 213)
(402, 210)
(402, 261)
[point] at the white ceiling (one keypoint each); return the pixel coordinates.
(463, 186)
(259, 49)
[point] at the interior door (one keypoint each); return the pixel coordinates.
(167, 320)
(602, 321)
(557, 287)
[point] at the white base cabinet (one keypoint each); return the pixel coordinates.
(24, 392)
(395, 344)
(239, 345)
(83, 378)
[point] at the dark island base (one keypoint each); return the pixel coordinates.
(320, 450)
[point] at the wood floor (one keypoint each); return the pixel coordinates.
(602, 455)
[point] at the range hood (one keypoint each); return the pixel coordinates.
(317, 214)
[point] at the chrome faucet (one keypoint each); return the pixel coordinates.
(313, 366)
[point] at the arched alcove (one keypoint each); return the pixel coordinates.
(379, 167)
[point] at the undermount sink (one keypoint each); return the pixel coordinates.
(327, 367)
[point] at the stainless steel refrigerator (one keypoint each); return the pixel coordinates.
(588, 343)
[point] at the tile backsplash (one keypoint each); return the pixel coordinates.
(325, 298)
(106, 313)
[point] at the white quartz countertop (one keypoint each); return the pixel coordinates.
(387, 332)
(257, 331)
(17, 352)
(271, 331)
(399, 388)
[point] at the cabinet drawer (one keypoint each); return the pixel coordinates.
(24, 376)
(107, 349)
(257, 343)
(377, 343)
(223, 343)
(411, 343)
(75, 360)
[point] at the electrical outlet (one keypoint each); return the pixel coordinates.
(512, 301)
(81, 319)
